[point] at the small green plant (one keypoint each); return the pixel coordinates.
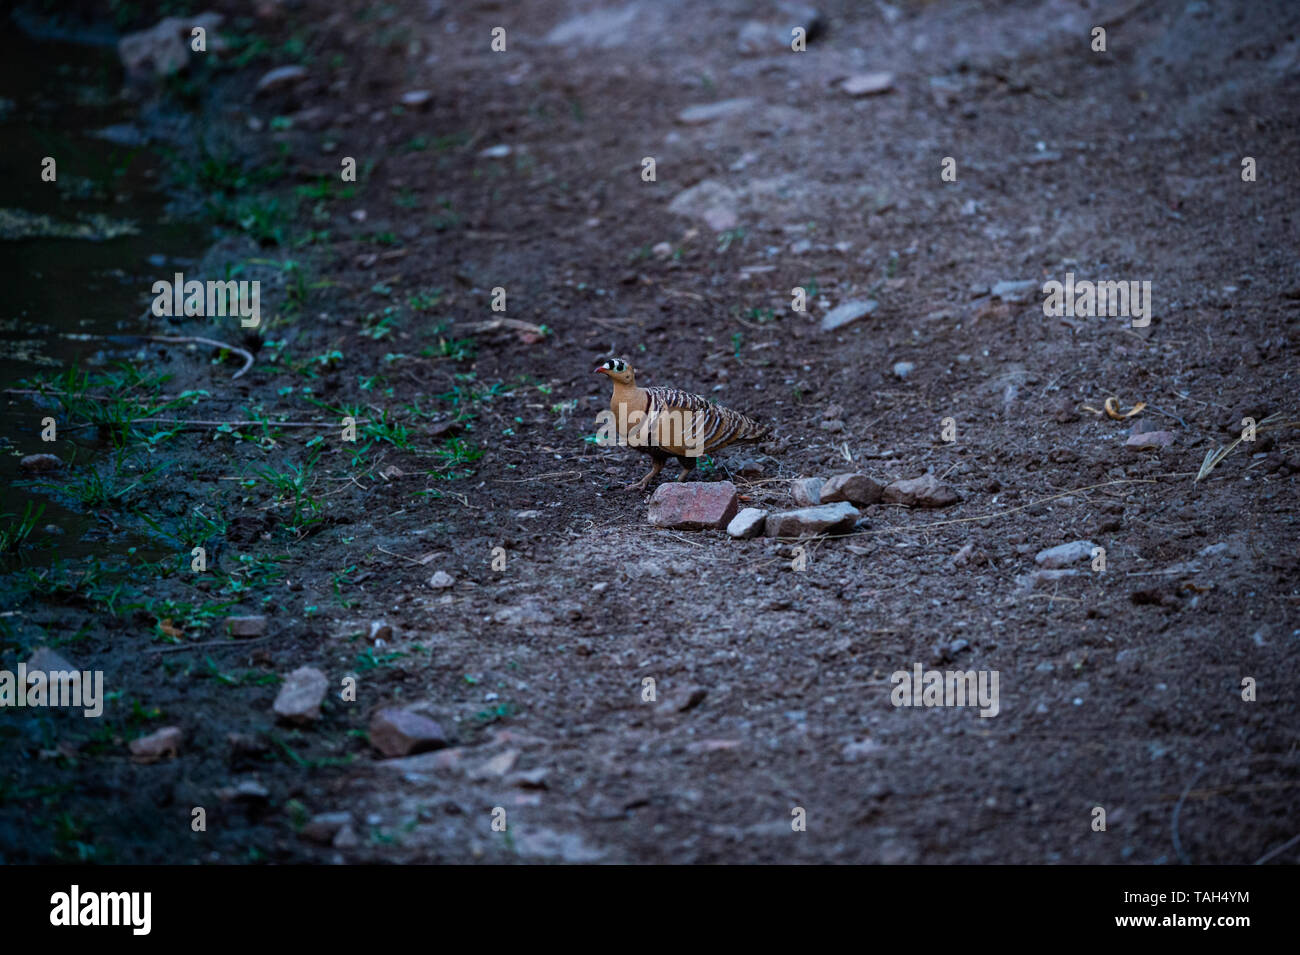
(15, 533)
(293, 489)
(423, 301)
(727, 238)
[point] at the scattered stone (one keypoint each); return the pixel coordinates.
(1063, 554)
(542, 843)
(397, 732)
(774, 36)
(346, 838)
(160, 743)
(868, 84)
(246, 627)
(902, 369)
(323, 827)
(924, 491)
(598, 28)
(300, 695)
(164, 48)
(246, 791)
(708, 112)
(694, 506)
(855, 488)
(1037, 578)
(499, 151)
(963, 556)
(748, 523)
(441, 580)
(1128, 659)
(281, 76)
(1018, 292)
(811, 521)
(48, 661)
(847, 314)
(416, 98)
(662, 250)
(496, 767)
(445, 429)
(756, 37)
(1150, 439)
(529, 779)
(528, 614)
(709, 201)
(749, 468)
(807, 492)
(40, 462)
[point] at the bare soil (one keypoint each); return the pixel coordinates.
(1120, 689)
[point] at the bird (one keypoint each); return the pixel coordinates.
(666, 423)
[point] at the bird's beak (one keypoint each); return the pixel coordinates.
(602, 371)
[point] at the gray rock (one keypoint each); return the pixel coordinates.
(47, 661)
(528, 614)
(708, 112)
(1039, 578)
(856, 488)
(710, 202)
(902, 369)
(281, 76)
(806, 492)
(748, 523)
(848, 313)
(397, 732)
(599, 28)
(416, 98)
(323, 827)
(162, 742)
(301, 695)
(441, 580)
(1150, 439)
(811, 521)
(246, 627)
(924, 491)
(1019, 291)
(1064, 554)
(868, 84)
(40, 462)
(164, 48)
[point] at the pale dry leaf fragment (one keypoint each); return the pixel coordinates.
(1112, 409)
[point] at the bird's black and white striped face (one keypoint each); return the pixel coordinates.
(617, 369)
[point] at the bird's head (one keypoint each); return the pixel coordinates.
(617, 370)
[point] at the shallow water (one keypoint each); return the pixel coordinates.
(64, 296)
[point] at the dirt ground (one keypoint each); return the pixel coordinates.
(1120, 689)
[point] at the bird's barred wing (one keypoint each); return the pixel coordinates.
(683, 423)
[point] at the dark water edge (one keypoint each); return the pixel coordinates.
(63, 296)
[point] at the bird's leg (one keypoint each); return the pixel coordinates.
(642, 484)
(688, 465)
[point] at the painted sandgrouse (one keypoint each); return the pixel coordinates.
(666, 423)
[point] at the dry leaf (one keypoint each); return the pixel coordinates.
(1112, 409)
